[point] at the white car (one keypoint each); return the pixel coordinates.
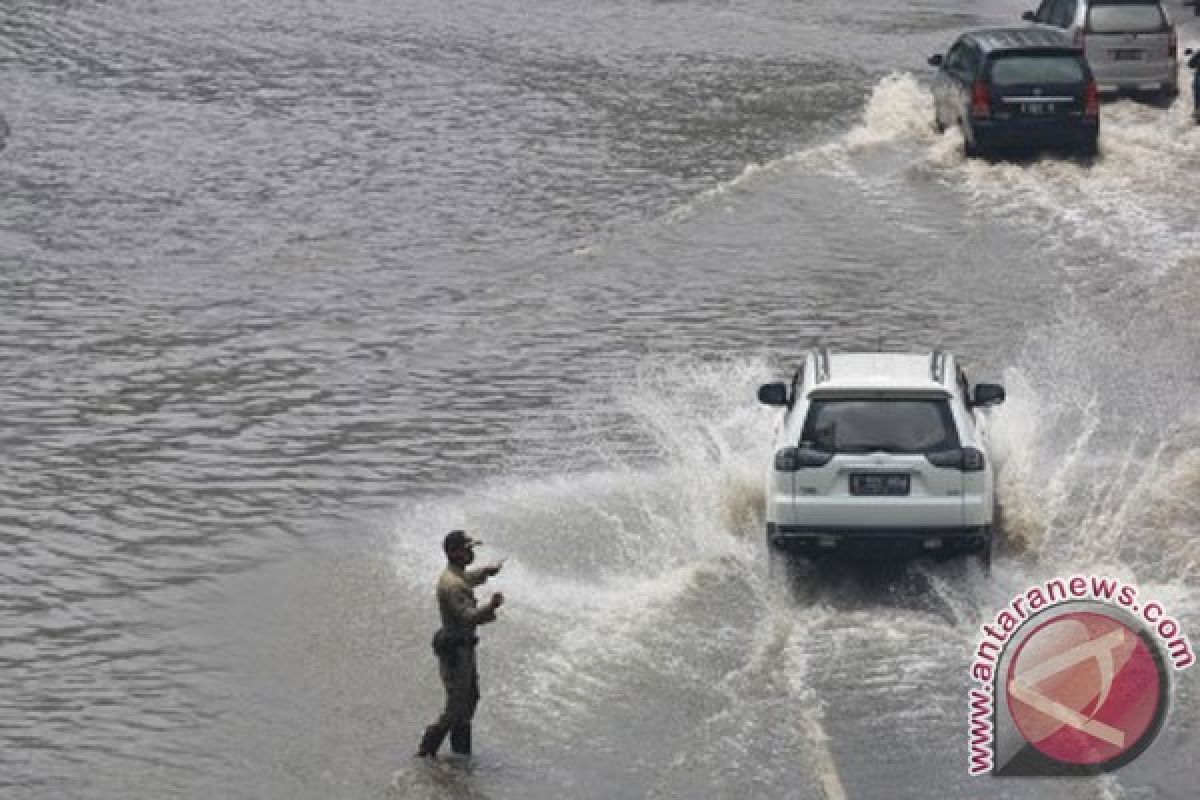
(877, 455)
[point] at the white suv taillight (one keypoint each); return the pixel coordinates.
(1173, 45)
(966, 459)
(791, 459)
(972, 460)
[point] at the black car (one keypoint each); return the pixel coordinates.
(1017, 88)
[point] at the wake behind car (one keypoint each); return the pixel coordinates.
(877, 455)
(1017, 88)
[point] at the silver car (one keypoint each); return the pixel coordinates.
(1129, 44)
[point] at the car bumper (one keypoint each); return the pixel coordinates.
(1147, 76)
(1018, 133)
(877, 543)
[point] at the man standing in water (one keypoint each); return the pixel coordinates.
(455, 643)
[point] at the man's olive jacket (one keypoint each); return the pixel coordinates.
(456, 600)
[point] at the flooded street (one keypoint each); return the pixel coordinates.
(293, 288)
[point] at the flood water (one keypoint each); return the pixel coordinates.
(291, 288)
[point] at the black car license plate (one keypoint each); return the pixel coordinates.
(1128, 55)
(1037, 108)
(879, 483)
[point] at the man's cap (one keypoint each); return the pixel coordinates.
(457, 539)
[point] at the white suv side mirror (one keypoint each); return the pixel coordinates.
(987, 394)
(773, 394)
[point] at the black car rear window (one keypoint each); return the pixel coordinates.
(1126, 18)
(867, 426)
(1015, 69)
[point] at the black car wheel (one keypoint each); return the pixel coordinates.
(971, 148)
(983, 556)
(776, 565)
(791, 572)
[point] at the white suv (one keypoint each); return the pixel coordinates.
(878, 455)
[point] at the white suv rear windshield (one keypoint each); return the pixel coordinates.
(1017, 69)
(869, 426)
(1127, 18)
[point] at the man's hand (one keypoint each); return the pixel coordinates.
(497, 600)
(492, 570)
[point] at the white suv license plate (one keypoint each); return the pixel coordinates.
(1037, 108)
(879, 483)
(1127, 55)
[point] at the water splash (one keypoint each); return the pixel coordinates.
(1129, 202)
(1097, 456)
(667, 472)
(899, 108)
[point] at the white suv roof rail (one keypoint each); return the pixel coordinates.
(872, 371)
(937, 366)
(821, 356)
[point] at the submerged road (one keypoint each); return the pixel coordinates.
(290, 289)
